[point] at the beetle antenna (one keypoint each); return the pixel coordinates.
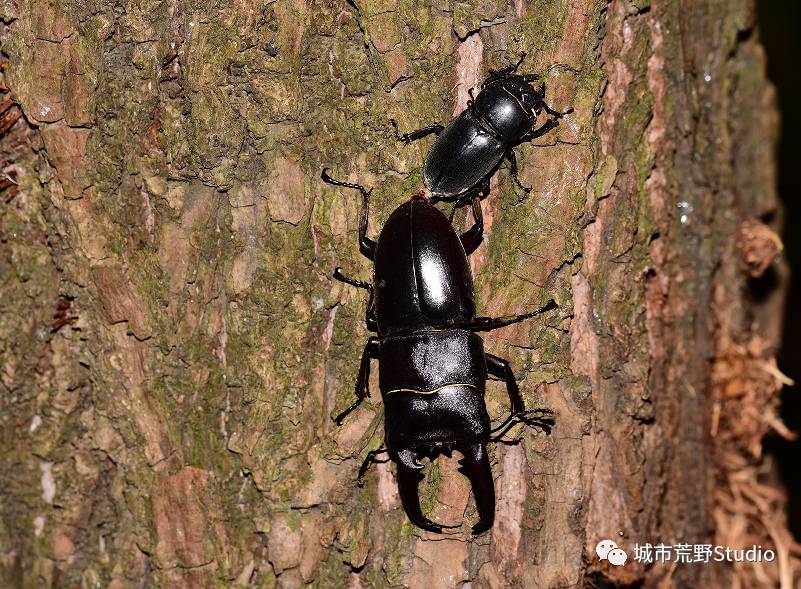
(329, 180)
(490, 323)
(519, 61)
(352, 281)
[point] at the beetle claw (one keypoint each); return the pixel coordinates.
(409, 469)
(476, 464)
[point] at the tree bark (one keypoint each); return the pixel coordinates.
(173, 345)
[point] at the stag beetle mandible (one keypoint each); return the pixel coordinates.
(432, 364)
(467, 152)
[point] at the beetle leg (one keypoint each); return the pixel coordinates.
(371, 350)
(369, 316)
(471, 102)
(368, 460)
(481, 190)
(490, 323)
(477, 466)
(471, 238)
(504, 72)
(498, 432)
(370, 319)
(534, 133)
(519, 61)
(556, 113)
(500, 368)
(510, 155)
(542, 418)
(366, 245)
(407, 138)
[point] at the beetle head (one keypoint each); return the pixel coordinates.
(425, 415)
(510, 104)
(521, 88)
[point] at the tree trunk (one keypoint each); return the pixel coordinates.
(173, 345)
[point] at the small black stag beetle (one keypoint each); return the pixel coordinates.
(467, 152)
(432, 364)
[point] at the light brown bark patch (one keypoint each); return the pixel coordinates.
(120, 300)
(441, 563)
(511, 492)
(468, 70)
(181, 514)
(66, 150)
(285, 192)
(284, 544)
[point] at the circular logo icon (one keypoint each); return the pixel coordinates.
(617, 557)
(603, 548)
(608, 550)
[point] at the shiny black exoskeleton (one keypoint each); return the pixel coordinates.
(467, 152)
(432, 364)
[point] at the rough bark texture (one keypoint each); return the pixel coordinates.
(172, 344)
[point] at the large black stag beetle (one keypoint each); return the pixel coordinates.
(467, 152)
(432, 364)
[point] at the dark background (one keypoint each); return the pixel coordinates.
(779, 31)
